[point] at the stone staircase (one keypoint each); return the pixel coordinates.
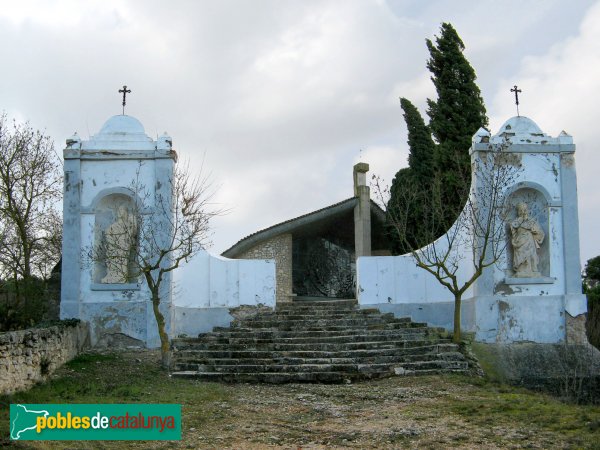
(329, 341)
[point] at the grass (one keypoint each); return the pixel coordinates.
(116, 378)
(505, 406)
(414, 412)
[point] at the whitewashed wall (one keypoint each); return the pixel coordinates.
(209, 286)
(499, 307)
(210, 281)
(397, 279)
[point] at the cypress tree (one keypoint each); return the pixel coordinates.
(421, 155)
(400, 212)
(455, 116)
(413, 182)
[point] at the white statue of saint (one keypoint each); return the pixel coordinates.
(526, 237)
(120, 238)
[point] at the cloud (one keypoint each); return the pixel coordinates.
(283, 97)
(384, 161)
(559, 93)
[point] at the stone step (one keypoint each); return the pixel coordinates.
(320, 311)
(356, 353)
(277, 334)
(317, 301)
(306, 377)
(318, 340)
(202, 364)
(300, 368)
(271, 378)
(346, 306)
(330, 319)
(315, 340)
(433, 365)
(408, 373)
(320, 304)
(410, 334)
(317, 309)
(329, 316)
(319, 346)
(399, 324)
(325, 324)
(245, 342)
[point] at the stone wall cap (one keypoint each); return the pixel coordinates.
(530, 280)
(361, 167)
(481, 136)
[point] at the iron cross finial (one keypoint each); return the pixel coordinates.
(516, 90)
(124, 91)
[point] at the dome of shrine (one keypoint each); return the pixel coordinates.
(520, 125)
(120, 133)
(122, 124)
(520, 130)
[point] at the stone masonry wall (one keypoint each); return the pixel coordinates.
(575, 329)
(278, 248)
(29, 356)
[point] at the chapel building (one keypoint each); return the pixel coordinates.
(316, 253)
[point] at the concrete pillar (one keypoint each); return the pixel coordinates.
(362, 211)
(570, 216)
(71, 246)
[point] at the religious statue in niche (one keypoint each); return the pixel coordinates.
(120, 239)
(526, 237)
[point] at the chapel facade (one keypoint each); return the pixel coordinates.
(316, 253)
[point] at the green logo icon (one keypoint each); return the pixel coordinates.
(95, 422)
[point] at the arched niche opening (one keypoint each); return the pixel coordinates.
(523, 225)
(115, 239)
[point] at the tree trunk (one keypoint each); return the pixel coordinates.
(456, 336)
(165, 350)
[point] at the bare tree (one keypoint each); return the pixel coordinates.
(30, 187)
(30, 225)
(160, 233)
(477, 236)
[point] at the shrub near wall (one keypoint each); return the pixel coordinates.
(29, 356)
(593, 321)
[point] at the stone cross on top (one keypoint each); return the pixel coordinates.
(124, 91)
(516, 90)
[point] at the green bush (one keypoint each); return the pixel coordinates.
(23, 303)
(591, 287)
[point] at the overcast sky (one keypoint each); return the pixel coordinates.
(281, 98)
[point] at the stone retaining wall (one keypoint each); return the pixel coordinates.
(29, 356)
(570, 371)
